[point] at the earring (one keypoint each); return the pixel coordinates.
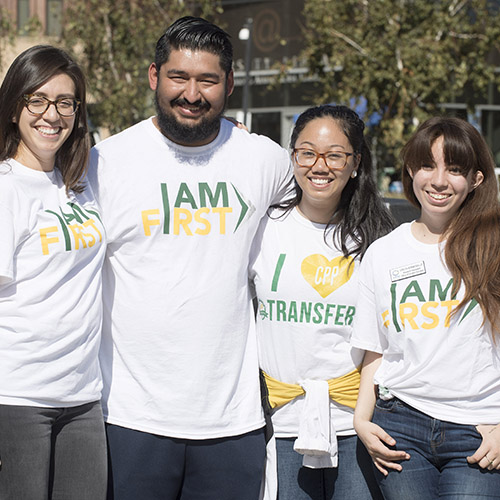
(354, 174)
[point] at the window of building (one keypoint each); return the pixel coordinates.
(54, 17)
(490, 127)
(23, 17)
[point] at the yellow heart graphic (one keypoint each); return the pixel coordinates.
(324, 275)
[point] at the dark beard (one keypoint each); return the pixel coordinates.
(186, 134)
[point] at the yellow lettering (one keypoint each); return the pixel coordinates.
(46, 240)
(198, 218)
(76, 229)
(184, 222)
(449, 304)
(430, 315)
(408, 311)
(384, 318)
(147, 222)
(222, 211)
(92, 224)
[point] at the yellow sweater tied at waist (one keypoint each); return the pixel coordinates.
(343, 390)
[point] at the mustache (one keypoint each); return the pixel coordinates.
(199, 104)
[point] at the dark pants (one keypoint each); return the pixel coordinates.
(56, 453)
(149, 467)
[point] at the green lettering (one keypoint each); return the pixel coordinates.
(305, 310)
(166, 208)
(78, 214)
(349, 315)
(277, 272)
(413, 290)
(393, 308)
(340, 315)
(213, 199)
(270, 304)
(184, 195)
(319, 314)
(280, 310)
(435, 287)
(292, 311)
(328, 314)
(67, 238)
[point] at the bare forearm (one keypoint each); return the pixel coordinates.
(367, 389)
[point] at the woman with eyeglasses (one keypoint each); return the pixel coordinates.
(52, 244)
(428, 316)
(304, 267)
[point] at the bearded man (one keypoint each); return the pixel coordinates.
(182, 195)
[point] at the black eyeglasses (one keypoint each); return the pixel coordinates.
(38, 104)
(307, 158)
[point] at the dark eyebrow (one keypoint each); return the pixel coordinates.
(60, 96)
(330, 147)
(178, 72)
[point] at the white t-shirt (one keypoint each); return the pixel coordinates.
(179, 353)
(306, 295)
(447, 368)
(51, 252)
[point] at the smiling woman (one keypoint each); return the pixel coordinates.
(44, 132)
(428, 317)
(52, 246)
(304, 266)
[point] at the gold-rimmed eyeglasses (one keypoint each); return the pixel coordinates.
(38, 105)
(307, 158)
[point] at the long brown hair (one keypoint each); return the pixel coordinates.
(29, 71)
(472, 248)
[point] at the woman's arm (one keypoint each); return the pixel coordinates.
(372, 435)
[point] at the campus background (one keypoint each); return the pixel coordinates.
(279, 68)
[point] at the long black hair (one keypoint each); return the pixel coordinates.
(361, 216)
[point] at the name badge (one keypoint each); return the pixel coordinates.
(409, 271)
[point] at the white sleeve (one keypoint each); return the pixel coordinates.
(7, 244)
(284, 183)
(368, 330)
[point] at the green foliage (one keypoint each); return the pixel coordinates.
(7, 32)
(406, 57)
(114, 40)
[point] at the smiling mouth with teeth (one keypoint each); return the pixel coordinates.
(48, 131)
(437, 196)
(321, 181)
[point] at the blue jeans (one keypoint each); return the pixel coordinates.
(149, 467)
(437, 467)
(353, 479)
(56, 453)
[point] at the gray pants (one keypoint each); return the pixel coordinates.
(52, 453)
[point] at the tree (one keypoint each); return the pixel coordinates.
(114, 40)
(7, 32)
(405, 57)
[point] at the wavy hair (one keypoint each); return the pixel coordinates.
(361, 215)
(195, 33)
(30, 70)
(471, 250)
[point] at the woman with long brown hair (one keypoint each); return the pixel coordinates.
(52, 244)
(428, 317)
